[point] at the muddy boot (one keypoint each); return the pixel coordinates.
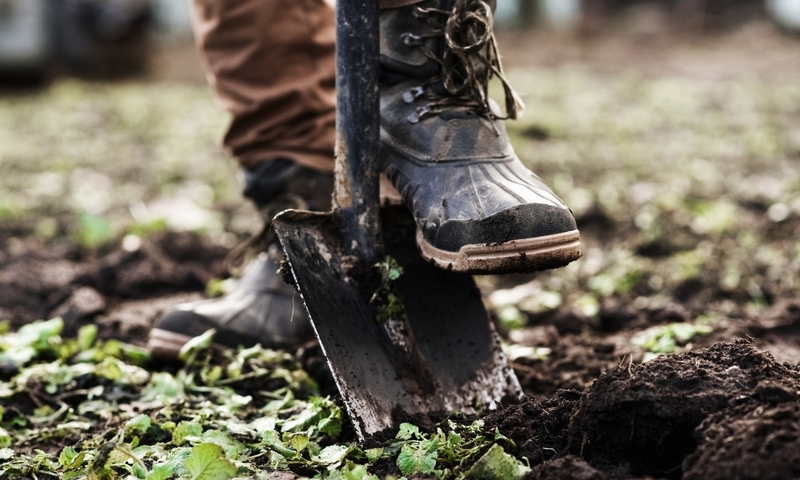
(262, 308)
(444, 146)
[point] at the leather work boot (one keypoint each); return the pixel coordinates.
(262, 308)
(445, 148)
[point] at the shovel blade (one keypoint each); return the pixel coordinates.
(444, 356)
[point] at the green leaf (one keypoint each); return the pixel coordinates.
(351, 471)
(196, 344)
(92, 231)
(177, 458)
(40, 333)
(5, 438)
(163, 385)
(233, 448)
(452, 445)
(496, 464)
(333, 455)
(208, 462)
(186, 429)
(163, 471)
(499, 437)
(332, 425)
(97, 470)
(511, 317)
(321, 413)
(272, 439)
(66, 456)
(299, 441)
(86, 336)
(137, 425)
(390, 305)
(140, 229)
(17, 357)
(417, 457)
(666, 338)
(110, 368)
(6, 454)
(373, 454)
(121, 454)
(408, 431)
(139, 471)
(212, 376)
(70, 459)
(135, 354)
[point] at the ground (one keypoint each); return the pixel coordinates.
(678, 157)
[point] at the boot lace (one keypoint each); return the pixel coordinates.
(470, 59)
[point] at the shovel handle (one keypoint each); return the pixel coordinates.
(357, 126)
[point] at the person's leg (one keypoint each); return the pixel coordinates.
(271, 65)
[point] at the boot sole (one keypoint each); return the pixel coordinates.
(164, 344)
(515, 256)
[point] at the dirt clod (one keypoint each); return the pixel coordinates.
(537, 428)
(748, 443)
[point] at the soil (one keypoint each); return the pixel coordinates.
(727, 411)
(592, 410)
(122, 292)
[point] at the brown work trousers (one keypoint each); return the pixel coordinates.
(271, 63)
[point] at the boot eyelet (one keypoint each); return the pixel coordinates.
(410, 95)
(415, 117)
(412, 40)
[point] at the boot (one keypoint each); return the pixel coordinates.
(445, 148)
(262, 308)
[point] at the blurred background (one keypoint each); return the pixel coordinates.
(114, 38)
(671, 128)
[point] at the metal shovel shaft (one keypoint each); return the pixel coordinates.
(357, 126)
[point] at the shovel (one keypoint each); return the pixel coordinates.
(397, 346)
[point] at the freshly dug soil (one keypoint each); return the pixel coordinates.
(538, 428)
(645, 415)
(749, 443)
(728, 411)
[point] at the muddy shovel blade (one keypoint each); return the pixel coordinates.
(445, 356)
